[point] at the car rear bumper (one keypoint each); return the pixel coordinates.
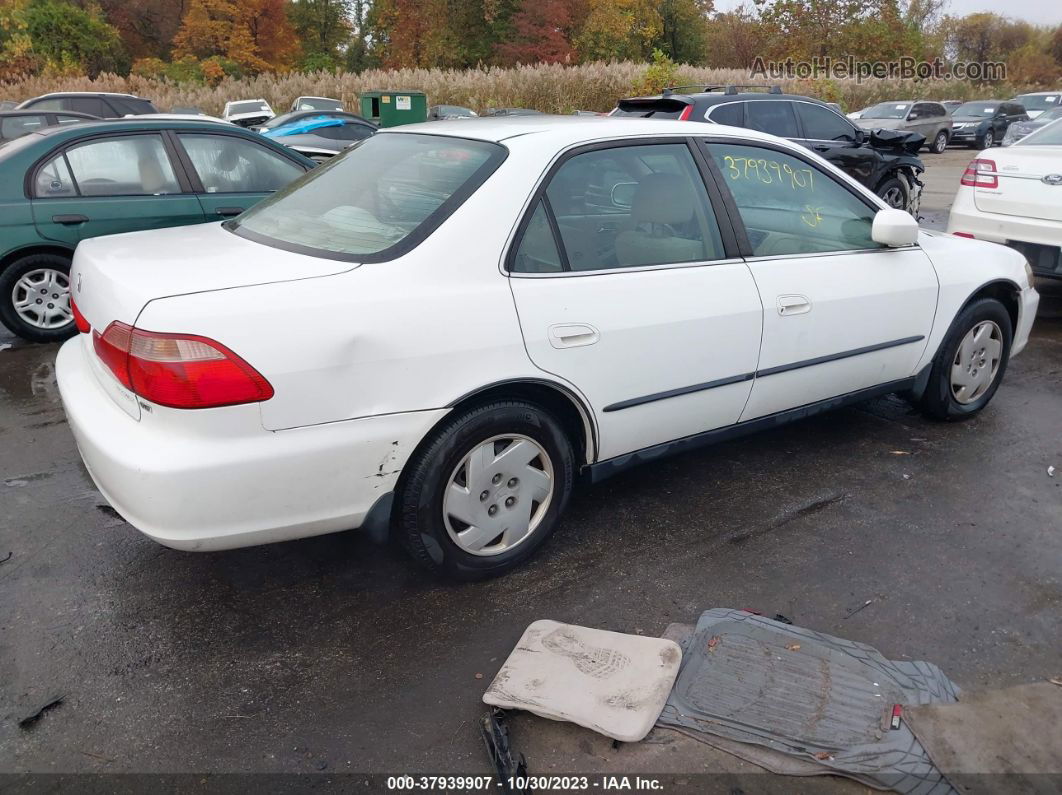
(219, 480)
(1015, 231)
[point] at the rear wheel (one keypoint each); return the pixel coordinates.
(971, 362)
(487, 490)
(35, 298)
(940, 143)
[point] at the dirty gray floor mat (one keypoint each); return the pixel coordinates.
(808, 697)
(998, 740)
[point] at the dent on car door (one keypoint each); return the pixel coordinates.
(108, 185)
(234, 173)
(625, 290)
(840, 312)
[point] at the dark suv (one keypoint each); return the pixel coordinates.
(99, 104)
(885, 161)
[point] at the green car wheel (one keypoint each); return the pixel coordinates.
(35, 298)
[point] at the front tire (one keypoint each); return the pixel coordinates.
(895, 192)
(987, 141)
(35, 298)
(486, 491)
(970, 364)
(940, 143)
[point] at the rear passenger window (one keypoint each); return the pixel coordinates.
(537, 252)
(771, 116)
(627, 206)
(134, 165)
(94, 106)
(789, 206)
(731, 114)
(54, 180)
(227, 164)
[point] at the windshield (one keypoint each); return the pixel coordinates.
(363, 205)
(1051, 135)
(887, 110)
(248, 107)
(319, 103)
(1039, 101)
(976, 109)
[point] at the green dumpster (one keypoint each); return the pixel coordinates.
(392, 108)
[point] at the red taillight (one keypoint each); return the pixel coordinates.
(975, 175)
(685, 115)
(963, 234)
(182, 371)
(79, 319)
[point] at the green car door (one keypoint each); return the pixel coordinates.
(110, 184)
(231, 173)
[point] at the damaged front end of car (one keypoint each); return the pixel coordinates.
(899, 151)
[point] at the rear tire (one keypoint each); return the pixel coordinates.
(968, 369)
(940, 143)
(35, 298)
(466, 511)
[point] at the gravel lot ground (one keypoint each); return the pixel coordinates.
(335, 655)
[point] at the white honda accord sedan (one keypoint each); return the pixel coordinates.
(1014, 196)
(436, 333)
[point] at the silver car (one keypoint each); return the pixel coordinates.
(930, 119)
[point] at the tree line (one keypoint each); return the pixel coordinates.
(206, 40)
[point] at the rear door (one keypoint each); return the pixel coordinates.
(111, 184)
(628, 288)
(230, 173)
(840, 313)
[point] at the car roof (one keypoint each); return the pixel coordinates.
(565, 130)
(87, 94)
(1037, 93)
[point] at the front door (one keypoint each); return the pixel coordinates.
(625, 290)
(840, 312)
(104, 186)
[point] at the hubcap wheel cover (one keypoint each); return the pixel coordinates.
(894, 198)
(498, 494)
(41, 299)
(976, 363)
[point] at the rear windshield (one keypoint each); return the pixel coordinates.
(887, 110)
(319, 103)
(1039, 101)
(248, 107)
(650, 108)
(376, 201)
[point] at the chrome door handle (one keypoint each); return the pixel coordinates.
(793, 305)
(572, 335)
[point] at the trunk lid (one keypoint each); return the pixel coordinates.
(1022, 188)
(114, 277)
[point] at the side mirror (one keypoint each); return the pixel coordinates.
(894, 228)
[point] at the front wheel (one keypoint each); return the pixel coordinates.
(35, 298)
(987, 141)
(895, 193)
(940, 143)
(970, 364)
(486, 491)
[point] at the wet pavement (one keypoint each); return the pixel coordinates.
(332, 654)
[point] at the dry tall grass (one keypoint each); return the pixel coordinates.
(549, 88)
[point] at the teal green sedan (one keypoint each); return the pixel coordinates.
(62, 185)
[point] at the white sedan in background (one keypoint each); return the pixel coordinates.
(435, 333)
(1014, 196)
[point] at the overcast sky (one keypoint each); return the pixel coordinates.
(1039, 12)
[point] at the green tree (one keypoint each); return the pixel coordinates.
(324, 29)
(684, 30)
(620, 30)
(75, 39)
